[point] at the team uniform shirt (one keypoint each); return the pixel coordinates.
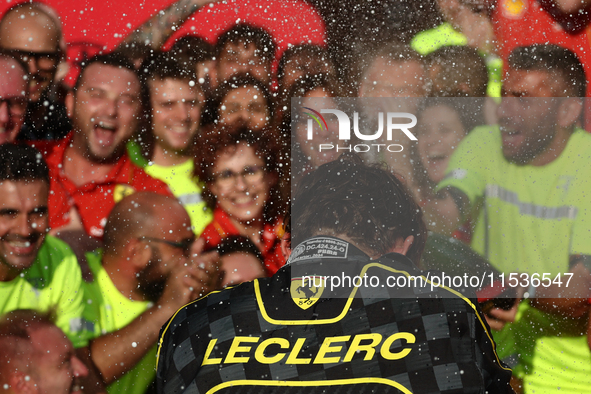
(278, 335)
(94, 200)
(530, 219)
(52, 283)
(110, 311)
(221, 227)
(186, 189)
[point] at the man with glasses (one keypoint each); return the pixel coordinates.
(13, 97)
(148, 269)
(31, 32)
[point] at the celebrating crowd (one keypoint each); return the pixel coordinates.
(161, 176)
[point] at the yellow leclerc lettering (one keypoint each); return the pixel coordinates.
(259, 354)
(206, 359)
(293, 356)
(385, 350)
(325, 348)
(236, 348)
(367, 348)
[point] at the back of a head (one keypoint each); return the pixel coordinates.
(553, 59)
(165, 65)
(247, 34)
(459, 71)
(134, 216)
(366, 203)
(22, 163)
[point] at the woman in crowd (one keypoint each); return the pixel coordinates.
(316, 92)
(241, 171)
(443, 123)
(242, 98)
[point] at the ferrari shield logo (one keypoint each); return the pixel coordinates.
(306, 290)
(121, 191)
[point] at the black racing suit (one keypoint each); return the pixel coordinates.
(279, 335)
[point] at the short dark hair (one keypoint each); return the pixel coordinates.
(367, 203)
(114, 59)
(554, 59)
(237, 243)
(159, 66)
(22, 163)
(245, 33)
(309, 51)
(460, 64)
(193, 48)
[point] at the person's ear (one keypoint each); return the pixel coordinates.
(138, 252)
(70, 102)
(22, 383)
(402, 245)
(569, 112)
(286, 246)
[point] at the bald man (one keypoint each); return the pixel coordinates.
(36, 356)
(13, 97)
(31, 32)
(149, 268)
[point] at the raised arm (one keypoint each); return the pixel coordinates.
(117, 352)
(156, 30)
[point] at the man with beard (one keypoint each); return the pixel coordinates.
(525, 185)
(36, 356)
(90, 170)
(149, 268)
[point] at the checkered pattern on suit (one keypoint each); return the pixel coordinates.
(452, 352)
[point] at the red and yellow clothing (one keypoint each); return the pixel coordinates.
(94, 200)
(222, 227)
(525, 22)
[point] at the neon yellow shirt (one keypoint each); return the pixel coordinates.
(110, 311)
(186, 189)
(53, 282)
(530, 219)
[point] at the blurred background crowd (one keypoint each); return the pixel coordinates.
(147, 153)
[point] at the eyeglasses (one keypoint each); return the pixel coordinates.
(184, 245)
(45, 61)
(250, 175)
(16, 105)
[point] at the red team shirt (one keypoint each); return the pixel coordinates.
(221, 227)
(93, 201)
